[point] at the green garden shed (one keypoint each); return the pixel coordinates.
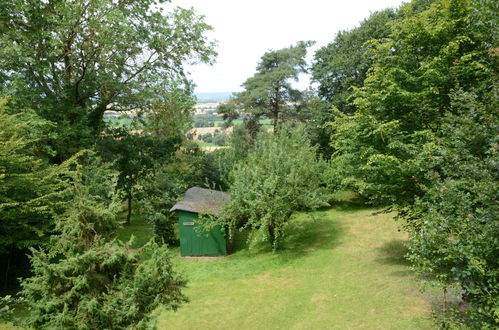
(193, 240)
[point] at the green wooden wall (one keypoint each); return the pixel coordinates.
(195, 243)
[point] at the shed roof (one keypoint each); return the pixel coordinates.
(200, 200)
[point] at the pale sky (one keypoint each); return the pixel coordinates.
(245, 30)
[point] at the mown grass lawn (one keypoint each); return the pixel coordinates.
(141, 230)
(341, 268)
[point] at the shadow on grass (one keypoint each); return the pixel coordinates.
(393, 253)
(347, 201)
(318, 232)
(304, 235)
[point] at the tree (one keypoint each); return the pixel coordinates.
(344, 63)
(406, 94)
(31, 190)
(454, 229)
(134, 155)
(155, 137)
(84, 279)
(72, 60)
(279, 176)
(270, 92)
(161, 188)
(423, 140)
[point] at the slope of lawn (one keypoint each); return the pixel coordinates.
(341, 268)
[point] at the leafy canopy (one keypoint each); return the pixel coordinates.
(344, 63)
(279, 176)
(31, 190)
(73, 60)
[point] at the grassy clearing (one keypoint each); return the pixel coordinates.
(119, 122)
(341, 268)
(140, 229)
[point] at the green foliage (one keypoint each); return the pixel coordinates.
(405, 96)
(136, 153)
(160, 189)
(279, 176)
(269, 92)
(219, 163)
(424, 139)
(31, 190)
(169, 117)
(218, 138)
(206, 120)
(376, 159)
(316, 114)
(6, 307)
(134, 156)
(454, 226)
(421, 62)
(88, 56)
(344, 63)
(92, 209)
(85, 280)
(105, 287)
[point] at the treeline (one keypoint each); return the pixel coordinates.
(206, 120)
(405, 115)
(68, 180)
(414, 127)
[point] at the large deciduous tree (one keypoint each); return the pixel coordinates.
(406, 94)
(454, 226)
(73, 60)
(137, 153)
(344, 62)
(424, 139)
(270, 92)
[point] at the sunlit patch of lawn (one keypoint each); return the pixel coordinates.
(141, 230)
(338, 268)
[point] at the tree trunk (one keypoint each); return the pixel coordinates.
(129, 214)
(276, 118)
(276, 109)
(7, 269)
(271, 235)
(231, 240)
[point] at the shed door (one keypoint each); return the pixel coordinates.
(194, 243)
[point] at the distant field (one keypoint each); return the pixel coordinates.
(213, 97)
(119, 122)
(203, 130)
(217, 122)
